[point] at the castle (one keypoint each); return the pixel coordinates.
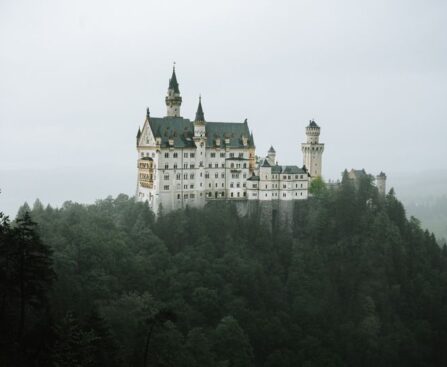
(188, 163)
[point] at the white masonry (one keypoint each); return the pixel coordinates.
(183, 162)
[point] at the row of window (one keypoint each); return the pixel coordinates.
(222, 194)
(186, 196)
(191, 186)
(255, 194)
(275, 186)
(185, 155)
(210, 165)
(207, 175)
(285, 177)
(192, 155)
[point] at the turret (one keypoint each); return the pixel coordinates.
(271, 156)
(173, 99)
(312, 132)
(313, 150)
(199, 122)
(381, 184)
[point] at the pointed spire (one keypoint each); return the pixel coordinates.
(173, 84)
(199, 114)
(272, 150)
(147, 113)
(138, 133)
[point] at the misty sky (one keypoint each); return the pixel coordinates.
(76, 77)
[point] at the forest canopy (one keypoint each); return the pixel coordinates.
(354, 282)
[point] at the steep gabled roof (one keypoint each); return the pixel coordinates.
(173, 84)
(291, 170)
(181, 130)
(200, 116)
(312, 123)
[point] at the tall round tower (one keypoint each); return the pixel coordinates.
(313, 150)
(381, 184)
(173, 99)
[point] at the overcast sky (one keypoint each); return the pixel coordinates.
(76, 77)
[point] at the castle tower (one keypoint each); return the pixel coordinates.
(271, 156)
(381, 184)
(313, 150)
(199, 122)
(173, 99)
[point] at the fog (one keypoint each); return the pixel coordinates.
(76, 78)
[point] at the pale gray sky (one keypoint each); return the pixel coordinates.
(76, 77)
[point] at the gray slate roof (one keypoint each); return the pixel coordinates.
(312, 123)
(182, 131)
(288, 170)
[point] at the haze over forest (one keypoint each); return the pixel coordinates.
(77, 77)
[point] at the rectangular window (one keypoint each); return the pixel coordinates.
(175, 165)
(191, 176)
(222, 155)
(231, 155)
(222, 175)
(166, 187)
(185, 176)
(178, 177)
(191, 186)
(216, 165)
(213, 155)
(185, 196)
(166, 177)
(185, 165)
(166, 166)
(191, 165)
(216, 175)
(192, 155)
(166, 155)
(175, 155)
(185, 155)
(185, 187)
(241, 155)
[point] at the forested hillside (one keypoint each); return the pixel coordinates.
(355, 283)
